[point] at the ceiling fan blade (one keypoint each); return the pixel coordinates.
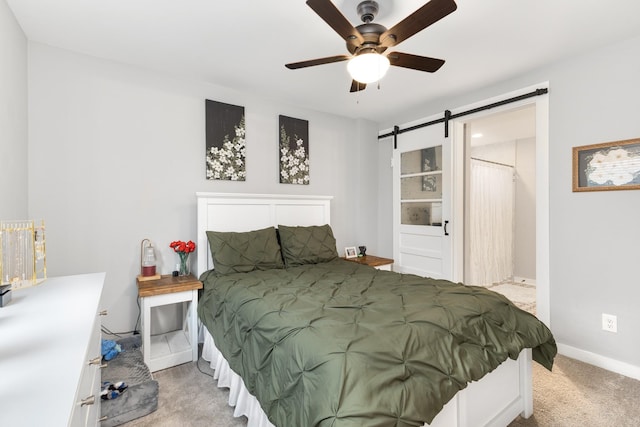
(318, 61)
(336, 20)
(428, 14)
(415, 62)
(356, 86)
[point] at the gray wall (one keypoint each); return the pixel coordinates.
(594, 238)
(525, 216)
(385, 197)
(13, 117)
(117, 154)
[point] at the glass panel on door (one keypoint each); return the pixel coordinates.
(424, 160)
(421, 187)
(421, 213)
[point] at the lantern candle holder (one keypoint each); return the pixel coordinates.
(147, 262)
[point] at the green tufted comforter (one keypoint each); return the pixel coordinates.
(341, 344)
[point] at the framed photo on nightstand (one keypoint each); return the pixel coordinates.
(350, 252)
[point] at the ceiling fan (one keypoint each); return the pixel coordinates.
(368, 42)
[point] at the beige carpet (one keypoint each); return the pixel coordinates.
(576, 394)
(188, 397)
(573, 395)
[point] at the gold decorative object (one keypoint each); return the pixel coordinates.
(22, 253)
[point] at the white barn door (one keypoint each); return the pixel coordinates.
(422, 184)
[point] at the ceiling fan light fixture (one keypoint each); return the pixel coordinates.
(368, 67)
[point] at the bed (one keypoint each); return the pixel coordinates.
(304, 338)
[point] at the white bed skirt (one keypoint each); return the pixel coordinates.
(494, 401)
(239, 397)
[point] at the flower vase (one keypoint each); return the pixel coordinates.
(184, 264)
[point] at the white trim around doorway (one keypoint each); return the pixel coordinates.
(541, 103)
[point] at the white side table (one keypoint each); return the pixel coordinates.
(175, 347)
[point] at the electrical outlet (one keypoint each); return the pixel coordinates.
(609, 323)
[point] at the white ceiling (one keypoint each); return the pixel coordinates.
(244, 44)
(507, 126)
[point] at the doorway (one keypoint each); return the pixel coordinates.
(500, 204)
(453, 216)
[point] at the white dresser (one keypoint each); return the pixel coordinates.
(49, 334)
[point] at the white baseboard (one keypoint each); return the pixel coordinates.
(600, 361)
(524, 281)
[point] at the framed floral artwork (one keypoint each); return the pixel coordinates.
(225, 141)
(607, 166)
(294, 151)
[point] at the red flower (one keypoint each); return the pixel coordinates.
(182, 247)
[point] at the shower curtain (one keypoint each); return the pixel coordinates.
(491, 223)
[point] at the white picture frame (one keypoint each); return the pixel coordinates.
(350, 252)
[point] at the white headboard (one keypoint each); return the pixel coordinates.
(246, 212)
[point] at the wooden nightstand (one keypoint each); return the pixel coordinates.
(175, 347)
(373, 261)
